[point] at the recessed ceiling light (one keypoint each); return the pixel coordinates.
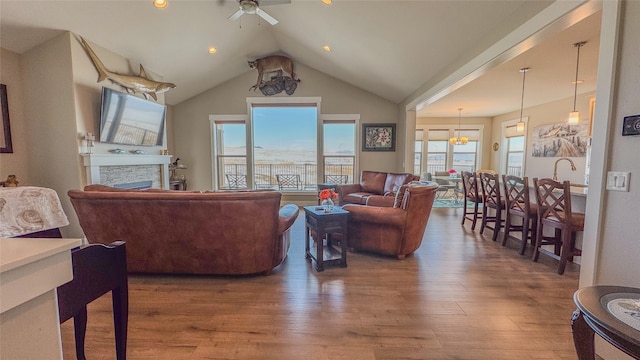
(327, 2)
(160, 3)
(213, 50)
(326, 48)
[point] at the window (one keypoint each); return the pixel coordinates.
(464, 156)
(231, 154)
(339, 151)
(437, 155)
(279, 146)
(442, 156)
(437, 150)
(514, 143)
(284, 143)
(417, 152)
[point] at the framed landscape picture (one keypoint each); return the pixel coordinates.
(378, 137)
(5, 129)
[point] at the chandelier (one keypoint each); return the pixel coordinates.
(459, 140)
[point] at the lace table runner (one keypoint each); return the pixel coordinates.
(28, 209)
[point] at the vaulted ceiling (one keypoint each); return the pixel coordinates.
(389, 48)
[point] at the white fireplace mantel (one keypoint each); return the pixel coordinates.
(93, 162)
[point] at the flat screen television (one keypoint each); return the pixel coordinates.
(129, 120)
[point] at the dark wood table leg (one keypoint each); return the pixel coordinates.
(583, 336)
(319, 248)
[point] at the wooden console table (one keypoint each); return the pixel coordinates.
(595, 315)
(325, 225)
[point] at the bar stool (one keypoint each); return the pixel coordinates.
(554, 210)
(470, 189)
(490, 184)
(518, 204)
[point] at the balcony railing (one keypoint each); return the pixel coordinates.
(231, 168)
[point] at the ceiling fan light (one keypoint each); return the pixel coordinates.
(574, 118)
(160, 3)
(520, 126)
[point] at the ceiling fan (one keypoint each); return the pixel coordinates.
(253, 7)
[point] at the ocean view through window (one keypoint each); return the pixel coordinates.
(284, 155)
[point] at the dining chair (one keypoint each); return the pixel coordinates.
(441, 190)
(490, 185)
(518, 204)
(471, 194)
(97, 270)
(446, 188)
(554, 210)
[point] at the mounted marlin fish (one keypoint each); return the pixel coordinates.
(131, 83)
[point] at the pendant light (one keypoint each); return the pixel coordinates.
(574, 116)
(520, 124)
(459, 140)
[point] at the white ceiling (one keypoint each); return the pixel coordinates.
(389, 48)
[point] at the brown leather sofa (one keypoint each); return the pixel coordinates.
(375, 188)
(396, 230)
(183, 232)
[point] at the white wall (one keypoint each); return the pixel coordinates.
(61, 103)
(620, 244)
(545, 114)
(192, 126)
(15, 163)
(50, 113)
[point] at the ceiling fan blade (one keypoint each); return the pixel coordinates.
(236, 15)
(274, 2)
(271, 20)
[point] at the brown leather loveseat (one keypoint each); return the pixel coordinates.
(375, 188)
(189, 232)
(396, 230)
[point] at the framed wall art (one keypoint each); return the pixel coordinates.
(5, 128)
(378, 137)
(560, 140)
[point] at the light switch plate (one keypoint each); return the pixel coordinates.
(618, 181)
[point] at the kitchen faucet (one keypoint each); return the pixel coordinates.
(555, 167)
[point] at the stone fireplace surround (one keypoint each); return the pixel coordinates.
(117, 169)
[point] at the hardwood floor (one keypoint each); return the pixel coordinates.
(460, 296)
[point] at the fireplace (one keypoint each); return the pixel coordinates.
(138, 185)
(119, 169)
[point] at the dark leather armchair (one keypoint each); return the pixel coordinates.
(396, 230)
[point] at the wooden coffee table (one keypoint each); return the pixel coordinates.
(325, 225)
(599, 313)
